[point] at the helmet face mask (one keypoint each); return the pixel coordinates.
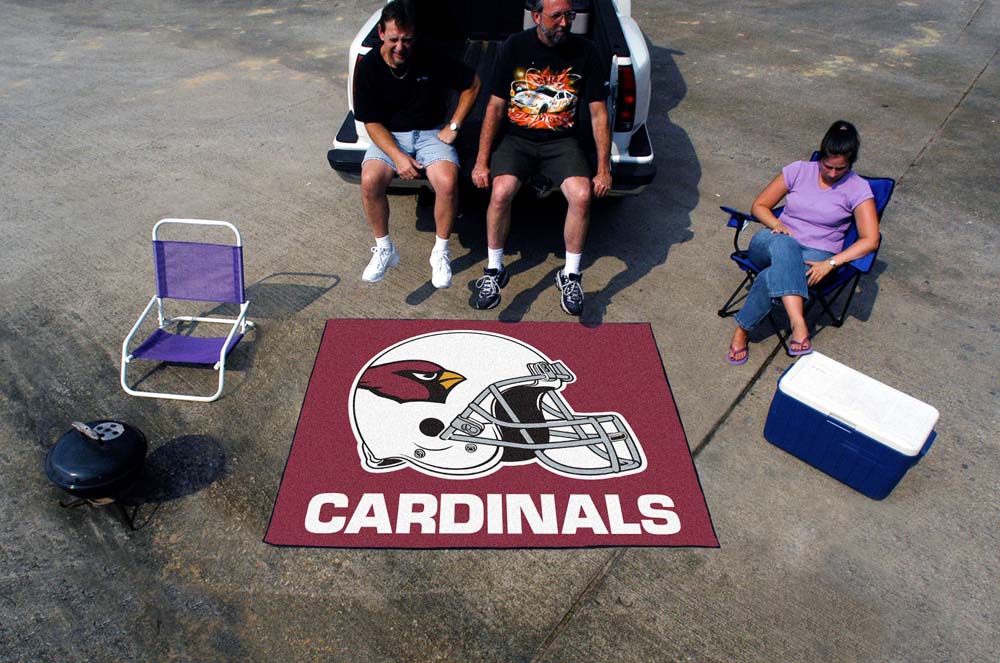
(461, 404)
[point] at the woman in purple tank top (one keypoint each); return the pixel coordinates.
(802, 247)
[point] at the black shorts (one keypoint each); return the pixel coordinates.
(553, 159)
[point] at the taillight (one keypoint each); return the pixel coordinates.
(625, 100)
(354, 79)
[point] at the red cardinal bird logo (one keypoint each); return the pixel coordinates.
(409, 381)
(409, 407)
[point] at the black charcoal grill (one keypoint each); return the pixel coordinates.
(97, 462)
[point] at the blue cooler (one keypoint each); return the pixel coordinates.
(849, 425)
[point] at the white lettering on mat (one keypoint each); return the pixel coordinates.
(515, 513)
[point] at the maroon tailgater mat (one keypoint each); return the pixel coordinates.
(458, 434)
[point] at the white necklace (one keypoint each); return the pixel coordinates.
(398, 78)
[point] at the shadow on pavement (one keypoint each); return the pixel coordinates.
(278, 296)
(862, 305)
(281, 295)
(180, 467)
(638, 231)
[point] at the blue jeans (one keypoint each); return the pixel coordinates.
(422, 145)
(783, 272)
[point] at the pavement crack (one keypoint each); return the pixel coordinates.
(940, 129)
(971, 19)
(592, 586)
(736, 401)
(605, 569)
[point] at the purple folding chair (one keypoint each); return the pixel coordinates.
(191, 271)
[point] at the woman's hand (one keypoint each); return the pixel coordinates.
(780, 229)
(818, 270)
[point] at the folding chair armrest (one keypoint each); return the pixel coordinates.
(739, 221)
(232, 332)
(862, 264)
(737, 217)
(865, 263)
(135, 327)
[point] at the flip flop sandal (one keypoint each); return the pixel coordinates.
(733, 351)
(799, 348)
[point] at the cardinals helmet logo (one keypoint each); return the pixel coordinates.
(462, 404)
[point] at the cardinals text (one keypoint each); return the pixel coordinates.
(460, 513)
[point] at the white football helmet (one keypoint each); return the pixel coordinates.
(459, 404)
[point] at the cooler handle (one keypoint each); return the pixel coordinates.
(838, 423)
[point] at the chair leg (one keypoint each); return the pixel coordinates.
(826, 303)
(727, 308)
(838, 319)
(779, 330)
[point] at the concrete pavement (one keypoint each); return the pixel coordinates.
(114, 114)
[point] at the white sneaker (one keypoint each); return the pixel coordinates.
(382, 259)
(441, 269)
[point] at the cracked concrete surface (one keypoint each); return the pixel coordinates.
(114, 114)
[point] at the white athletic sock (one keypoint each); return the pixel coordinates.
(495, 258)
(572, 263)
(383, 242)
(440, 245)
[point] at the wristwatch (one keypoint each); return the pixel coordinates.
(833, 263)
(453, 126)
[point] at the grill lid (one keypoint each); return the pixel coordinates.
(96, 459)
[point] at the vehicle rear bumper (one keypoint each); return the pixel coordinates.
(628, 178)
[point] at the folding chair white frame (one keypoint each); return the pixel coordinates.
(239, 323)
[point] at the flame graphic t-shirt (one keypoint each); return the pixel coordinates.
(546, 87)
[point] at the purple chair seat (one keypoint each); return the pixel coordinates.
(164, 346)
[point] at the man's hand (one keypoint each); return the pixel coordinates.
(602, 140)
(407, 167)
(481, 175)
(446, 135)
(602, 183)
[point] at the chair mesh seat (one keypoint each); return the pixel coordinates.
(164, 346)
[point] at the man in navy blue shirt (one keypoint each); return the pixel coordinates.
(401, 97)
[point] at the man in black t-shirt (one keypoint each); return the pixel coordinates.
(542, 77)
(401, 95)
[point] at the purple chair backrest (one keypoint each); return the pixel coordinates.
(200, 272)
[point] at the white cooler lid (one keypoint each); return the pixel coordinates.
(895, 419)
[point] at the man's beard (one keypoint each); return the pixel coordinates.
(556, 36)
